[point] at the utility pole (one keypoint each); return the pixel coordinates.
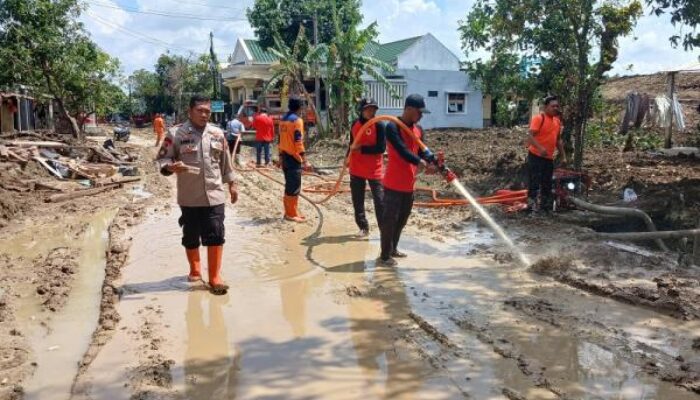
(670, 88)
(214, 71)
(317, 81)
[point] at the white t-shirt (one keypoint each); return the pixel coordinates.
(234, 127)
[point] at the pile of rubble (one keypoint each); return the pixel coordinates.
(72, 169)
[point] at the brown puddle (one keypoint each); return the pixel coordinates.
(326, 323)
(59, 346)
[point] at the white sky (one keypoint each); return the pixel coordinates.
(648, 50)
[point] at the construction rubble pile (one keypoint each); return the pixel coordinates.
(73, 170)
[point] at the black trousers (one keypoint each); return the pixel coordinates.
(357, 189)
(397, 209)
(540, 171)
(292, 175)
(203, 225)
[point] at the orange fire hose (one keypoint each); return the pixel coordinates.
(512, 199)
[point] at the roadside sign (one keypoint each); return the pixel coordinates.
(217, 106)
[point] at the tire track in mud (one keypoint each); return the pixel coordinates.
(647, 358)
(672, 296)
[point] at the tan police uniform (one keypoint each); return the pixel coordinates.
(200, 191)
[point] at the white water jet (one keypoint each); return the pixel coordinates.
(491, 223)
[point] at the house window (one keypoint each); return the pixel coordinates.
(456, 103)
(383, 95)
(432, 93)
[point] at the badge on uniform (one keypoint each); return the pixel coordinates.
(189, 148)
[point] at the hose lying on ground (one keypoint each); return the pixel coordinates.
(332, 188)
(622, 211)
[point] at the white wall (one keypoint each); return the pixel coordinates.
(444, 82)
(428, 53)
(239, 54)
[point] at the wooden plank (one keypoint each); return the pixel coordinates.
(80, 193)
(28, 143)
(4, 151)
(47, 166)
(16, 156)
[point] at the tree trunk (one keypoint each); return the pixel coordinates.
(319, 122)
(75, 129)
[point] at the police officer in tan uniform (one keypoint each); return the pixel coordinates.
(197, 153)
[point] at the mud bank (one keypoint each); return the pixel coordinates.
(51, 274)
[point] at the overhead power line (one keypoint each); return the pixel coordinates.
(168, 14)
(138, 35)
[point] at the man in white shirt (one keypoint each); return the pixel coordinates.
(233, 129)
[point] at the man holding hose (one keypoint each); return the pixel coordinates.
(366, 164)
(543, 138)
(405, 157)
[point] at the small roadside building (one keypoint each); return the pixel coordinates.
(422, 65)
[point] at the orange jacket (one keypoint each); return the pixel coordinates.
(159, 125)
(292, 136)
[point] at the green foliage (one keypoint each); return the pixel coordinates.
(43, 45)
(284, 18)
(176, 77)
(575, 41)
(341, 64)
(345, 62)
(683, 13)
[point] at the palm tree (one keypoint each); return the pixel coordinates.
(346, 59)
(291, 67)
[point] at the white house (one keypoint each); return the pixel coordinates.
(421, 65)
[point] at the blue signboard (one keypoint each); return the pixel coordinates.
(217, 106)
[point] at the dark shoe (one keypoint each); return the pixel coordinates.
(219, 289)
(398, 254)
(386, 262)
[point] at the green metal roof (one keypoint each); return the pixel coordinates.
(260, 56)
(388, 52)
(371, 49)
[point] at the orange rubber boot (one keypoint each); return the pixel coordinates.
(288, 213)
(290, 209)
(214, 258)
(195, 265)
(294, 210)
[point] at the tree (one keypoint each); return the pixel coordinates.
(576, 41)
(42, 45)
(346, 60)
(683, 12)
(284, 18)
(290, 69)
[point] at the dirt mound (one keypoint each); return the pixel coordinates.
(55, 276)
(687, 85)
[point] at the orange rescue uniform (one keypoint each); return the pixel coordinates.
(546, 132)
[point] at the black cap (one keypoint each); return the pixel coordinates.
(368, 102)
(416, 101)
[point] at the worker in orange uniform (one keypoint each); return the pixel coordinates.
(292, 159)
(197, 153)
(366, 164)
(405, 158)
(543, 138)
(264, 135)
(159, 128)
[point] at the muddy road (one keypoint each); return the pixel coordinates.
(311, 316)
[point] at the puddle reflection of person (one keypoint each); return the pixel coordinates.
(388, 373)
(294, 293)
(210, 368)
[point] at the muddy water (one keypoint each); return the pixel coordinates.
(288, 329)
(59, 345)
